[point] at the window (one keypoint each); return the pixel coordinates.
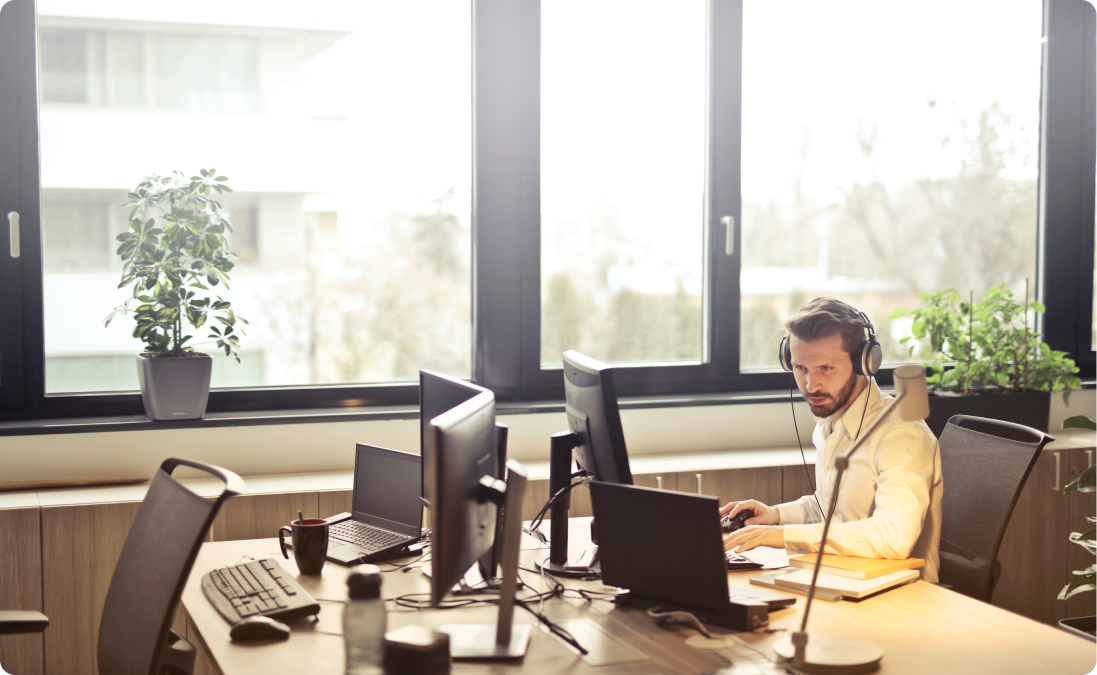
(477, 187)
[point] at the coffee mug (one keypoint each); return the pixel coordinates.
(310, 544)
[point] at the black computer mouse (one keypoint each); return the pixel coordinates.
(728, 524)
(258, 628)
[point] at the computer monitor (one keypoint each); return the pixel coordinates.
(466, 499)
(437, 394)
(590, 401)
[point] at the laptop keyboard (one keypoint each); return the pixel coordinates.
(367, 537)
(736, 561)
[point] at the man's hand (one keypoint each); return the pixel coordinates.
(753, 536)
(763, 515)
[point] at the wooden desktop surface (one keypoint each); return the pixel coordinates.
(921, 627)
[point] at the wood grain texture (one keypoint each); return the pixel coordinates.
(794, 482)
(203, 662)
(1034, 551)
(260, 516)
(80, 547)
(1079, 505)
(334, 501)
(669, 482)
(727, 485)
(21, 587)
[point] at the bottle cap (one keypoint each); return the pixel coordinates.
(364, 583)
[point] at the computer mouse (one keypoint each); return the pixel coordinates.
(258, 628)
(729, 524)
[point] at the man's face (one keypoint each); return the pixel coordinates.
(824, 373)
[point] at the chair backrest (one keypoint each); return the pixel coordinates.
(153, 569)
(985, 464)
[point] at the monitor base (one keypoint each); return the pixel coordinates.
(559, 570)
(831, 655)
(473, 641)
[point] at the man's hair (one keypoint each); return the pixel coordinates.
(823, 317)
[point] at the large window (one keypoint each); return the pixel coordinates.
(347, 141)
(475, 187)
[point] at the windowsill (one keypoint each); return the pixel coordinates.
(81, 425)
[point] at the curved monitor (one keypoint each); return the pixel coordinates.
(591, 406)
(462, 451)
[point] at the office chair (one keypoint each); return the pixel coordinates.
(985, 464)
(135, 636)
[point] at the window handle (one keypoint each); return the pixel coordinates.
(13, 232)
(729, 246)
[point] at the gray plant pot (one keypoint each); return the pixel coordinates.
(174, 387)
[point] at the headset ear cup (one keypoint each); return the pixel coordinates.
(874, 356)
(784, 354)
(858, 358)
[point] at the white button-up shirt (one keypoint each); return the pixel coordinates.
(889, 503)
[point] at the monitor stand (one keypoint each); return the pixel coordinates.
(504, 640)
(556, 561)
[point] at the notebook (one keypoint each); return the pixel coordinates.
(856, 568)
(849, 588)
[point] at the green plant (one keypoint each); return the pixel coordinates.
(1083, 580)
(177, 240)
(986, 345)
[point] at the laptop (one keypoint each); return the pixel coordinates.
(666, 548)
(386, 509)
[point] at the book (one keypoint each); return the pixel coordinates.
(856, 568)
(846, 587)
(770, 581)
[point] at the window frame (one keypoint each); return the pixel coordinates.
(505, 269)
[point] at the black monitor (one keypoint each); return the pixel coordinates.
(437, 394)
(466, 498)
(590, 401)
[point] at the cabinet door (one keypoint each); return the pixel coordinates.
(21, 570)
(795, 482)
(1034, 549)
(1079, 505)
(763, 484)
(260, 516)
(665, 481)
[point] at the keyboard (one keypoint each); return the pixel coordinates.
(371, 538)
(258, 588)
(736, 561)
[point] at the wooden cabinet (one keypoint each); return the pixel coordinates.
(727, 485)
(1079, 505)
(795, 483)
(21, 589)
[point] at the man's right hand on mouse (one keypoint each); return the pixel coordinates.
(763, 515)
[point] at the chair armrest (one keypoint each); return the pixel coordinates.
(22, 622)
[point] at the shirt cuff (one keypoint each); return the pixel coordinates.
(790, 513)
(802, 538)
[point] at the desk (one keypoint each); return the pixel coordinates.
(921, 627)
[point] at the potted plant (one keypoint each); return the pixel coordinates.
(983, 359)
(175, 251)
(1083, 581)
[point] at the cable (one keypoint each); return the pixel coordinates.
(792, 404)
(533, 529)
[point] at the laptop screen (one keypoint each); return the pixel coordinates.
(386, 489)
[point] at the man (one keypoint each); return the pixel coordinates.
(889, 502)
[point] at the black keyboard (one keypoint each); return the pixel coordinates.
(259, 588)
(740, 562)
(367, 537)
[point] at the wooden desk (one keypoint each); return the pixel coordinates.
(921, 627)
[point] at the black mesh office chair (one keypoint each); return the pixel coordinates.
(985, 464)
(135, 636)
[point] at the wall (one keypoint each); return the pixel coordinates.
(329, 446)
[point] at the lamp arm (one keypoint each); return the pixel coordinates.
(840, 463)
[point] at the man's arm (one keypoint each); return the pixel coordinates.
(905, 464)
(803, 510)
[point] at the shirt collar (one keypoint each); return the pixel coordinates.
(856, 413)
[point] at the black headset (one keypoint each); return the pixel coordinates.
(866, 358)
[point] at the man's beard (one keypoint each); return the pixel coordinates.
(837, 402)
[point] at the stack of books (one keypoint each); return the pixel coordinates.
(845, 576)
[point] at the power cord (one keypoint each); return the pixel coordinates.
(533, 529)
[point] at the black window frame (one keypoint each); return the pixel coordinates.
(506, 284)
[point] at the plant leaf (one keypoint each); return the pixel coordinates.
(1079, 422)
(1085, 482)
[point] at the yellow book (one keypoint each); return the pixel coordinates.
(856, 568)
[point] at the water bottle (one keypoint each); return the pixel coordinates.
(364, 622)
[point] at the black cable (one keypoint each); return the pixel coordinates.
(792, 404)
(535, 524)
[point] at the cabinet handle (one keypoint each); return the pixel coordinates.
(1089, 458)
(1055, 488)
(658, 482)
(13, 232)
(698, 483)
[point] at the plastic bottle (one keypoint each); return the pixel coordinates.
(364, 622)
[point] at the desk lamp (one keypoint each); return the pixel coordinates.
(833, 653)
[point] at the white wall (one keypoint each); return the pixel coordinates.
(329, 446)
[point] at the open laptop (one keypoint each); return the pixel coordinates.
(386, 509)
(666, 548)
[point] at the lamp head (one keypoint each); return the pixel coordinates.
(910, 383)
